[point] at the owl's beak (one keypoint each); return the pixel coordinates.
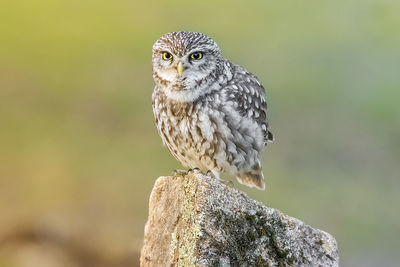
(179, 68)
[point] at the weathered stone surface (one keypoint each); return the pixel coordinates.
(195, 220)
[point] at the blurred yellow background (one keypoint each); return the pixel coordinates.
(79, 150)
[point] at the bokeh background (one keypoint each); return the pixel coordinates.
(79, 151)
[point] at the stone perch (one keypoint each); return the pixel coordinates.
(195, 220)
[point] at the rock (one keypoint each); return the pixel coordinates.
(195, 220)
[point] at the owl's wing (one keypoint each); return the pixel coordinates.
(246, 91)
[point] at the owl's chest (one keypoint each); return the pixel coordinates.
(187, 132)
(177, 123)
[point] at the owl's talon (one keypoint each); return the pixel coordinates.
(196, 170)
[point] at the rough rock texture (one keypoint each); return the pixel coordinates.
(195, 220)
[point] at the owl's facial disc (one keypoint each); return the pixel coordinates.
(184, 63)
(183, 72)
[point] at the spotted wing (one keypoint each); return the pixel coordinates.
(249, 95)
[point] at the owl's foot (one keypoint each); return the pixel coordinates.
(178, 173)
(183, 172)
(194, 170)
(213, 174)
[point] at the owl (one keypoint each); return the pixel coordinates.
(209, 112)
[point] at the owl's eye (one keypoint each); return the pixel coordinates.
(167, 56)
(196, 55)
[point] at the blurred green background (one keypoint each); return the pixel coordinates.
(79, 150)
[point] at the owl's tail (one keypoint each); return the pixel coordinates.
(252, 179)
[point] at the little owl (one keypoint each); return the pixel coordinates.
(209, 112)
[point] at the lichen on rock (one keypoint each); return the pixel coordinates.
(195, 220)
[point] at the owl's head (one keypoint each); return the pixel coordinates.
(185, 63)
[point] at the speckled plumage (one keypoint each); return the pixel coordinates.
(213, 115)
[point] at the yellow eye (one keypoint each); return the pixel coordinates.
(167, 56)
(196, 55)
